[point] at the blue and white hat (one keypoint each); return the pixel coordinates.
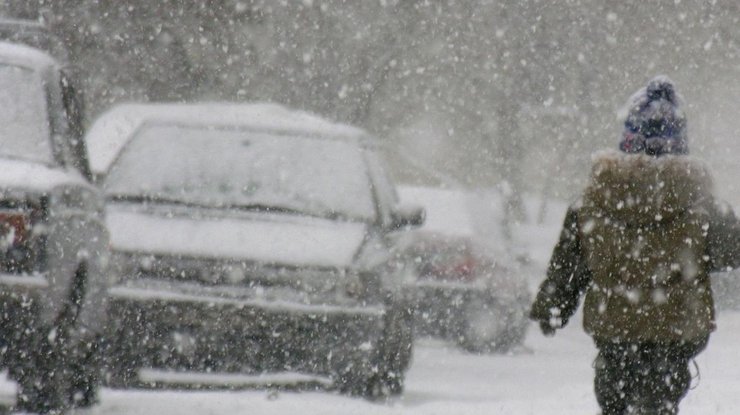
(655, 123)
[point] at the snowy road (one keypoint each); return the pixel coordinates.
(548, 376)
(551, 376)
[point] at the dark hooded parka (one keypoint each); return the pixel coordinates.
(640, 243)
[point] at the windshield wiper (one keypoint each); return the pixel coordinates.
(260, 207)
(144, 198)
(251, 207)
(149, 198)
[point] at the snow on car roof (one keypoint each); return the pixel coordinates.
(22, 174)
(24, 55)
(110, 132)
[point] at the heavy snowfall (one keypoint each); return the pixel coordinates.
(544, 375)
(332, 207)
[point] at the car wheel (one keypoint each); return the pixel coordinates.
(53, 378)
(86, 371)
(121, 362)
(490, 326)
(41, 380)
(58, 368)
(384, 374)
(398, 345)
(120, 372)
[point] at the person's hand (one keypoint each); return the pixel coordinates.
(547, 329)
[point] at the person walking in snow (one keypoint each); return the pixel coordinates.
(640, 243)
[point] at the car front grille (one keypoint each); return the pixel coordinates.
(221, 272)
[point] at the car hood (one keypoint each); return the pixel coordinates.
(261, 237)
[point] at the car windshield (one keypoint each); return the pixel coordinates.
(236, 168)
(24, 126)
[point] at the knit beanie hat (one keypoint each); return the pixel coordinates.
(655, 123)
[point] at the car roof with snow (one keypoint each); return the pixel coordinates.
(25, 56)
(112, 130)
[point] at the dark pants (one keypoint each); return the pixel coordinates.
(644, 377)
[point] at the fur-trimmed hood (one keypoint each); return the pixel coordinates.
(638, 189)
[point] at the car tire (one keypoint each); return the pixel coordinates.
(490, 326)
(120, 371)
(41, 380)
(397, 348)
(121, 363)
(56, 377)
(57, 368)
(383, 376)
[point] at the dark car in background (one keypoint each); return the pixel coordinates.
(53, 239)
(250, 240)
(468, 290)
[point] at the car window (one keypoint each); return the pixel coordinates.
(385, 191)
(237, 168)
(24, 124)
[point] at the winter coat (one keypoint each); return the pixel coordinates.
(641, 243)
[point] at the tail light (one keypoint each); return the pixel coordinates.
(15, 227)
(463, 268)
(466, 268)
(18, 242)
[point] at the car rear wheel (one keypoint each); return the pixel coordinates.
(490, 326)
(58, 367)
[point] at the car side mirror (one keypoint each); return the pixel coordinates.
(408, 216)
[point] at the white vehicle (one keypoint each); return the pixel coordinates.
(251, 239)
(53, 240)
(468, 290)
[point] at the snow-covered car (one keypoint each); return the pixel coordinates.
(251, 239)
(467, 289)
(53, 239)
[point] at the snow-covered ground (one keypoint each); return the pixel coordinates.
(547, 376)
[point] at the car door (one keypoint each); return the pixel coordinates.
(76, 234)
